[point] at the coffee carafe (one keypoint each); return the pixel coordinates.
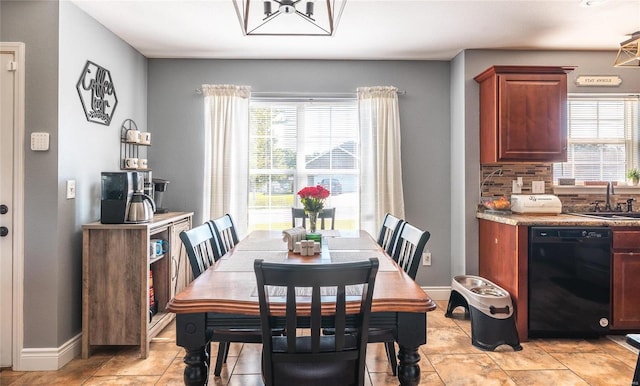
(141, 205)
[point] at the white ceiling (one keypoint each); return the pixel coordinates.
(371, 29)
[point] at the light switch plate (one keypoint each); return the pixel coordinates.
(537, 187)
(71, 189)
(39, 141)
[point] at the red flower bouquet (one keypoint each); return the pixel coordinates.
(312, 198)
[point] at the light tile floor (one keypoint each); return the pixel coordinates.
(447, 359)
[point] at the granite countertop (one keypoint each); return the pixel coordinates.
(563, 219)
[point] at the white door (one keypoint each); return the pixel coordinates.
(10, 117)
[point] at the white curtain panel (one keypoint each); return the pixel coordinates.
(227, 152)
(381, 168)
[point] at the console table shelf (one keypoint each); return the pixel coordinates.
(115, 280)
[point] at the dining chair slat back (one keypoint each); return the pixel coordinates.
(313, 358)
(226, 233)
(298, 214)
(327, 217)
(389, 232)
(201, 247)
(409, 247)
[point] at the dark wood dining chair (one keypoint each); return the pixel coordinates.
(315, 359)
(389, 232)
(203, 251)
(407, 252)
(206, 244)
(327, 214)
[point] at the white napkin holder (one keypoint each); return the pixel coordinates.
(306, 247)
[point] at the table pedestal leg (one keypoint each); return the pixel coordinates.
(197, 370)
(408, 369)
(191, 335)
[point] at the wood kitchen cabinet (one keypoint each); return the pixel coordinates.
(625, 283)
(116, 266)
(503, 260)
(523, 114)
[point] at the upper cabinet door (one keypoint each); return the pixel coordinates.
(523, 114)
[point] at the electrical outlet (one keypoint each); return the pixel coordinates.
(71, 189)
(426, 258)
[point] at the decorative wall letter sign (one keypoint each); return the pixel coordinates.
(97, 93)
(599, 80)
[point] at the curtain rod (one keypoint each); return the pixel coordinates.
(304, 94)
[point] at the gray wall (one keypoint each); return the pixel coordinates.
(88, 148)
(55, 56)
(36, 24)
(471, 63)
(176, 119)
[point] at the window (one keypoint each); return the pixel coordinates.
(293, 144)
(602, 138)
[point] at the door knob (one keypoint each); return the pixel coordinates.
(4, 231)
(4, 209)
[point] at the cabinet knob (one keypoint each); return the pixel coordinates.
(4, 209)
(495, 241)
(4, 231)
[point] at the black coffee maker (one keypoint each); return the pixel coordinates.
(117, 190)
(124, 200)
(159, 187)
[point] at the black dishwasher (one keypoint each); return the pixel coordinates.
(569, 281)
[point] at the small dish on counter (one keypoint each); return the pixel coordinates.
(500, 205)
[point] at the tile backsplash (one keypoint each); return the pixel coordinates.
(500, 184)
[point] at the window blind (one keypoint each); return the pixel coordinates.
(601, 135)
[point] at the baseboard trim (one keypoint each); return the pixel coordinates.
(50, 359)
(438, 293)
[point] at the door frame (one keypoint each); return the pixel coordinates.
(17, 227)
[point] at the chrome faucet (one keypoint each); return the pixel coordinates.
(607, 206)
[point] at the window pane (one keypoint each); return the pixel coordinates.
(600, 135)
(592, 162)
(299, 143)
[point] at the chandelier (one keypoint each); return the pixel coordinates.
(629, 52)
(289, 17)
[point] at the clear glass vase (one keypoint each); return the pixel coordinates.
(313, 220)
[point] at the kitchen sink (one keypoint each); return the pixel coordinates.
(610, 215)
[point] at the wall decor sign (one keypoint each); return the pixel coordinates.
(97, 93)
(598, 80)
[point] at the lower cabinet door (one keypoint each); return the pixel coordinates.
(180, 269)
(625, 289)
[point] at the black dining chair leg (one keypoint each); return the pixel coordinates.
(223, 351)
(208, 352)
(391, 356)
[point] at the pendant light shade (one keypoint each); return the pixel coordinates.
(289, 17)
(629, 52)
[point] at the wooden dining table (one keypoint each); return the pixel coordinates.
(225, 296)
